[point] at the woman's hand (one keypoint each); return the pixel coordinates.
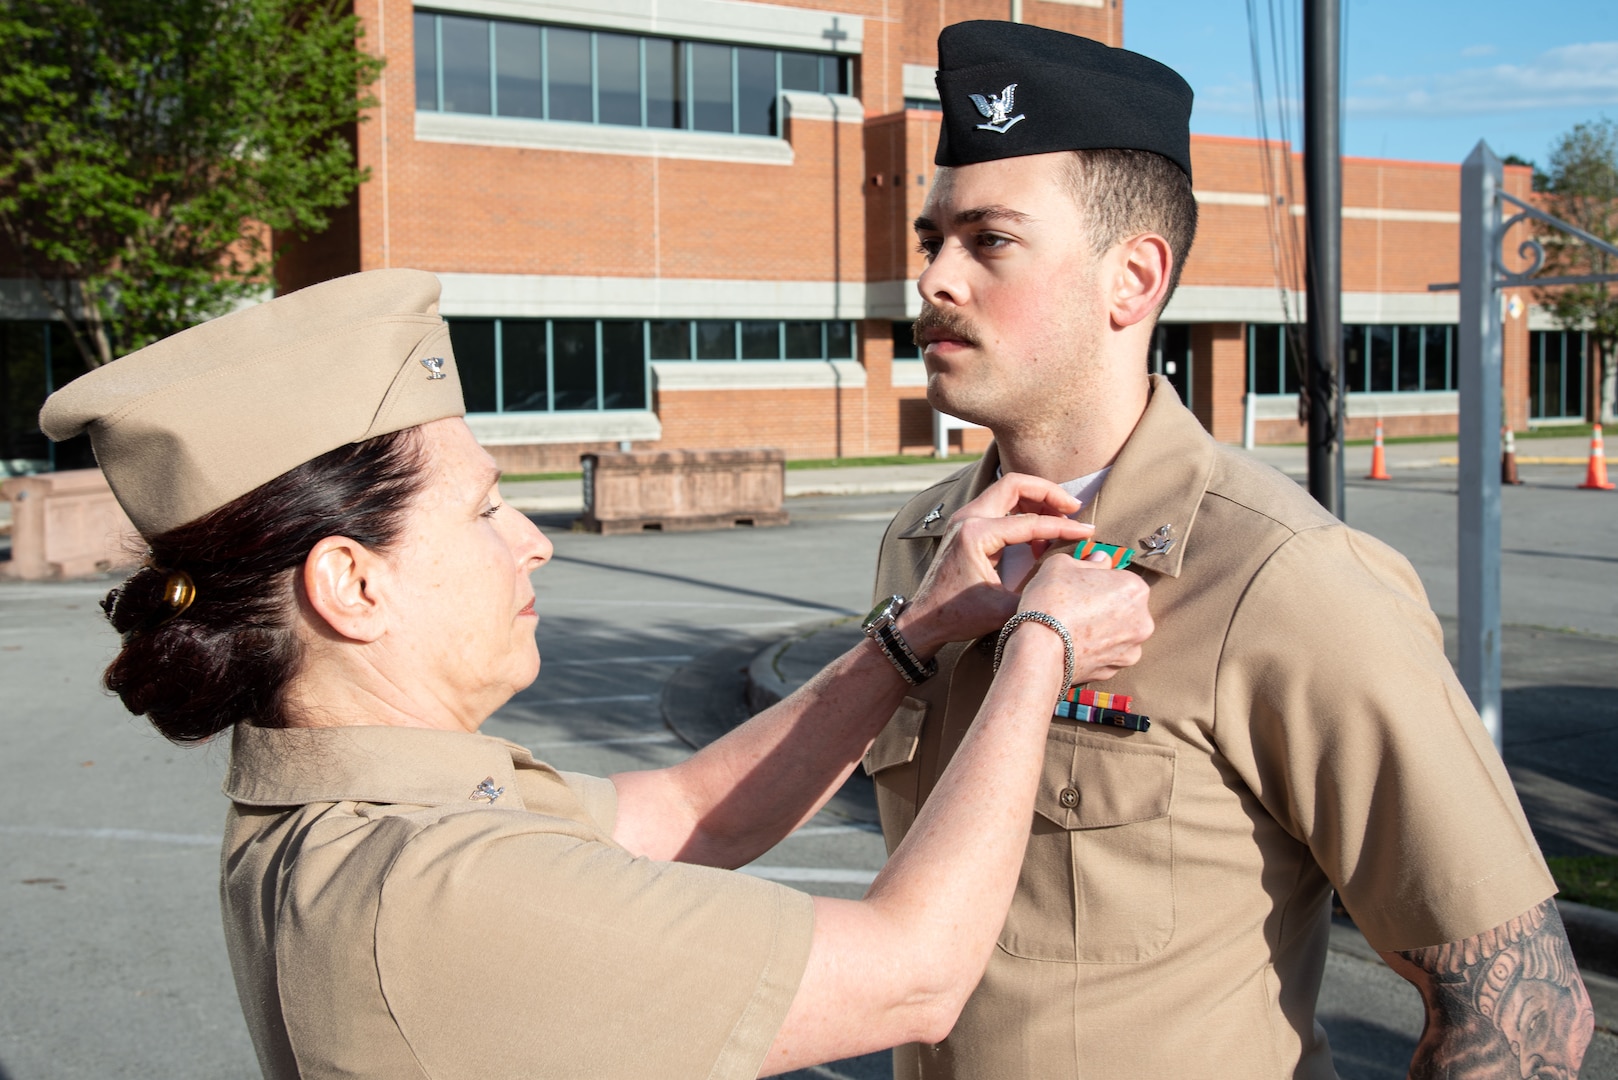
(962, 597)
(1103, 609)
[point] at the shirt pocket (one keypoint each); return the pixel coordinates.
(890, 762)
(1097, 885)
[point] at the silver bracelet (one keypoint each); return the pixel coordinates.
(1046, 620)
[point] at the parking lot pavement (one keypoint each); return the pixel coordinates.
(112, 962)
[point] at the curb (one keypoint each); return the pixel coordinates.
(1593, 934)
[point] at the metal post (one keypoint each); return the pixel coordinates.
(1478, 354)
(1323, 183)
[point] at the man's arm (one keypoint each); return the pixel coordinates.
(1508, 1002)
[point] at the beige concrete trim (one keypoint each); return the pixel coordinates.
(600, 139)
(523, 428)
(802, 105)
(918, 82)
(1079, 3)
(20, 299)
(1540, 318)
(1428, 403)
(1244, 303)
(560, 296)
(1350, 213)
(896, 300)
(1231, 198)
(909, 373)
(673, 376)
(709, 20)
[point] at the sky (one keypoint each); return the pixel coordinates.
(1423, 80)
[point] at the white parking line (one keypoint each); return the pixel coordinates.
(141, 835)
(811, 873)
(613, 740)
(829, 1074)
(836, 830)
(673, 658)
(590, 700)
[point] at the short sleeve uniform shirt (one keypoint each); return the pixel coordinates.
(1306, 732)
(423, 904)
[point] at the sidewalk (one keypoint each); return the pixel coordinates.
(560, 496)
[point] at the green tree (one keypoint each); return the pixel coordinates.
(148, 147)
(1582, 189)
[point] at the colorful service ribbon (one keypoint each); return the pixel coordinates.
(1093, 714)
(1079, 696)
(1119, 554)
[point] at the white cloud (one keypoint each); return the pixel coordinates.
(1479, 50)
(1579, 76)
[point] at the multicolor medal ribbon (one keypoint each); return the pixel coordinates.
(1095, 714)
(1119, 554)
(1098, 697)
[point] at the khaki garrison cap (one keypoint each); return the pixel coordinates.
(190, 423)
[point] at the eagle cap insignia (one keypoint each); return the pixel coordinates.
(995, 108)
(434, 366)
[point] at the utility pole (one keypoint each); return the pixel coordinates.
(1323, 247)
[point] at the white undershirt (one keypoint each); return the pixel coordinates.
(1018, 559)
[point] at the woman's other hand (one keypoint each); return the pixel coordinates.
(1103, 609)
(962, 596)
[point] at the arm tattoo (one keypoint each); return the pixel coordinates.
(1508, 1002)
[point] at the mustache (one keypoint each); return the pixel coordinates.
(951, 324)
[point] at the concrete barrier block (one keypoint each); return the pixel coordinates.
(66, 524)
(682, 490)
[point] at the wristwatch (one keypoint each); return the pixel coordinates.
(880, 627)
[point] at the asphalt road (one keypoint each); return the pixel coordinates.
(111, 957)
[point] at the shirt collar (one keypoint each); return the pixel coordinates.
(1157, 479)
(414, 766)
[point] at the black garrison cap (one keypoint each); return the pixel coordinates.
(1010, 89)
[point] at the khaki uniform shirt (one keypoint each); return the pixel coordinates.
(1306, 732)
(383, 923)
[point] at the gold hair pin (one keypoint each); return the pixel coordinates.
(179, 591)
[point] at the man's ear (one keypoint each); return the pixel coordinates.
(343, 584)
(1139, 274)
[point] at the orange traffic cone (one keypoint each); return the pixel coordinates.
(1595, 477)
(1379, 456)
(1508, 460)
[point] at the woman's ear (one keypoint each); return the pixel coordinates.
(1140, 278)
(342, 581)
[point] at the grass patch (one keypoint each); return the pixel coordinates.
(890, 459)
(523, 477)
(1587, 879)
(1557, 432)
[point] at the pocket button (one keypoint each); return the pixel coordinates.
(1069, 797)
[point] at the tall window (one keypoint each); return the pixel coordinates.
(36, 357)
(497, 67)
(581, 365)
(1377, 358)
(1557, 373)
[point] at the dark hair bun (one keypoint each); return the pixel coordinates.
(198, 664)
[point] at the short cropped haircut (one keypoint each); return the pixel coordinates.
(1124, 193)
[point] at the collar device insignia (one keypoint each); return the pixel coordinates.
(434, 366)
(995, 107)
(934, 515)
(487, 790)
(1159, 542)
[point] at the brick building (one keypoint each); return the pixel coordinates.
(685, 223)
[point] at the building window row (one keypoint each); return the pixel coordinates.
(497, 67)
(1558, 370)
(567, 365)
(1377, 358)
